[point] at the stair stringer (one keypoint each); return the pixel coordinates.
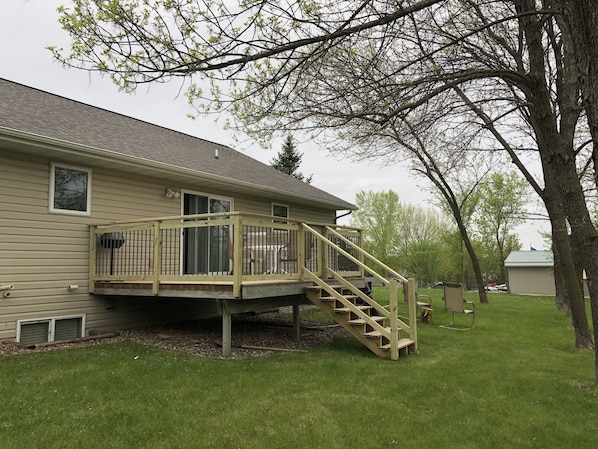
(365, 328)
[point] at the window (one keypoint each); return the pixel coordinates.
(50, 329)
(280, 210)
(70, 190)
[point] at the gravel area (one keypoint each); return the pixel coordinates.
(251, 334)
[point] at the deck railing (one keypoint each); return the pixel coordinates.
(354, 254)
(221, 247)
(234, 248)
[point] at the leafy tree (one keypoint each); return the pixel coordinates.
(403, 236)
(377, 215)
(424, 261)
(459, 199)
(288, 160)
(500, 210)
(385, 77)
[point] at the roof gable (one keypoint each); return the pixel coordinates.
(40, 114)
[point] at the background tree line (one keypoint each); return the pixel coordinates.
(424, 241)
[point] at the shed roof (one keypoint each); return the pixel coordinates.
(529, 259)
(29, 113)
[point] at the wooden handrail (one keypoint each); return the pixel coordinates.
(157, 256)
(392, 283)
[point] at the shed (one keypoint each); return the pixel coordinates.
(530, 272)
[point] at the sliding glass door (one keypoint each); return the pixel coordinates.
(206, 249)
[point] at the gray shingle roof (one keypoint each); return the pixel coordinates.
(40, 113)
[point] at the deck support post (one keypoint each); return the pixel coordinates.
(226, 333)
(296, 324)
(394, 326)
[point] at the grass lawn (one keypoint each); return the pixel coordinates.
(515, 381)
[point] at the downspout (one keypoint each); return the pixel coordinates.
(343, 215)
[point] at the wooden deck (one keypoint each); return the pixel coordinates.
(204, 289)
(233, 263)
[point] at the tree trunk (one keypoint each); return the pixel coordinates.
(563, 195)
(565, 266)
(562, 295)
(582, 19)
(475, 262)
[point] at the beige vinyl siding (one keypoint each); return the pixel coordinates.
(261, 205)
(41, 253)
(531, 280)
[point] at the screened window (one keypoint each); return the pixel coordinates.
(70, 190)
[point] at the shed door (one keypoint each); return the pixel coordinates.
(205, 249)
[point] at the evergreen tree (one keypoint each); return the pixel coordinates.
(288, 160)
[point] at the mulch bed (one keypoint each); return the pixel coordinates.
(252, 336)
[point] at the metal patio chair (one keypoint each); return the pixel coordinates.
(455, 302)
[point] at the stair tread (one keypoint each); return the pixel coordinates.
(318, 287)
(358, 321)
(347, 309)
(375, 334)
(375, 340)
(403, 343)
(333, 298)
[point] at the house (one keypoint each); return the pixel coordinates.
(108, 222)
(530, 272)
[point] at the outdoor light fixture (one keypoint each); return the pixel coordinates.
(171, 193)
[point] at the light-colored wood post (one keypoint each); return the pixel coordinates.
(323, 254)
(92, 258)
(237, 256)
(361, 256)
(296, 324)
(157, 258)
(394, 319)
(226, 332)
(412, 311)
(300, 249)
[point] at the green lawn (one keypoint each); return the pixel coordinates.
(513, 382)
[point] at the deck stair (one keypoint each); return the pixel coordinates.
(379, 328)
(360, 315)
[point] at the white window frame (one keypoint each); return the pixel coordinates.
(52, 209)
(210, 197)
(280, 205)
(52, 325)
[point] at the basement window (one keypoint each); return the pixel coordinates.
(45, 330)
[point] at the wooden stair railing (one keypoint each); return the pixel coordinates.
(353, 309)
(361, 319)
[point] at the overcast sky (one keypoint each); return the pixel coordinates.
(28, 26)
